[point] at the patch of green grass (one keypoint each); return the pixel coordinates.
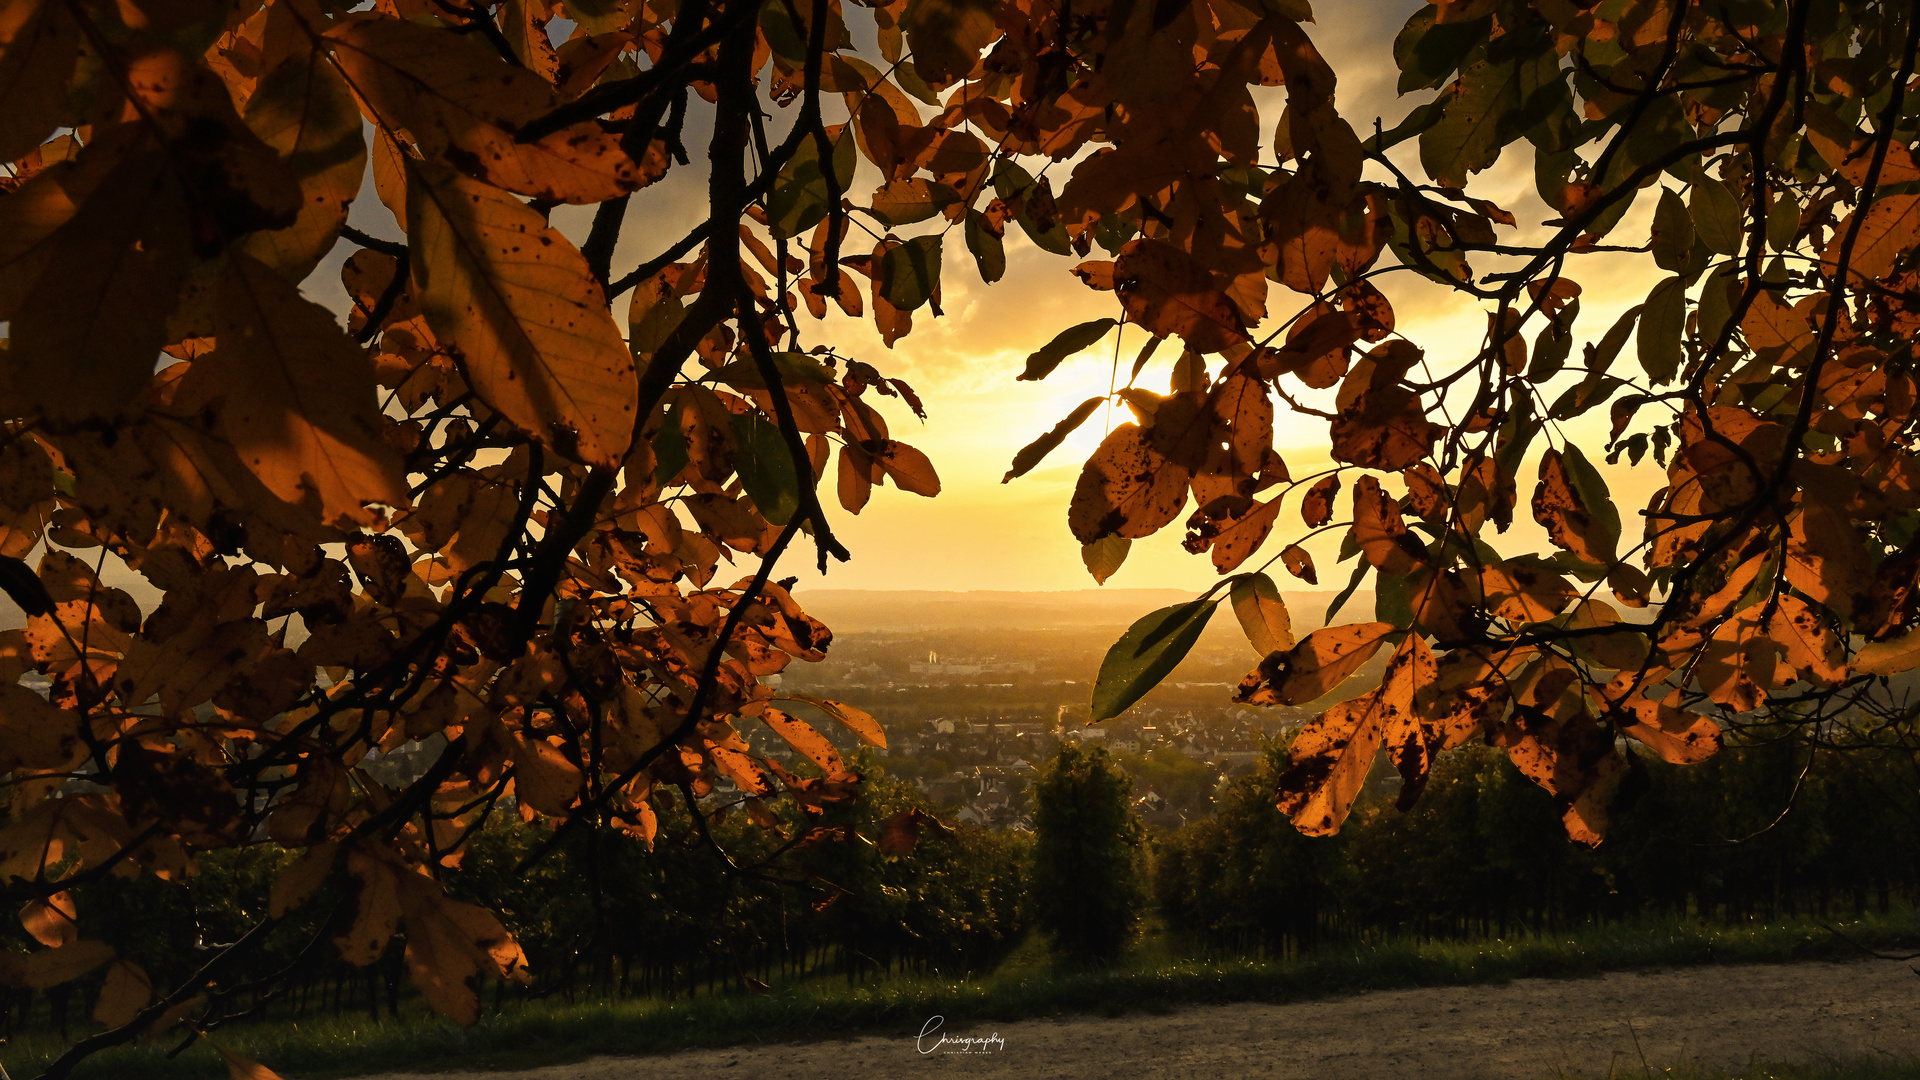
(1156, 978)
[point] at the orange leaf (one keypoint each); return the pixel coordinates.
(1167, 292)
(86, 333)
(50, 921)
(1299, 563)
(459, 100)
(1317, 508)
(1321, 661)
(1330, 757)
(296, 399)
(301, 878)
(529, 323)
(1570, 522)
(858, 721)
(1890, 230)
(126, 991)
(1380, 532)
(804, 739)
(1127, 488)
(1677, 736)
(51, 967)
(908, 468)
(243, 1068)
(1524, 590)
(39, 44)
(543, 777)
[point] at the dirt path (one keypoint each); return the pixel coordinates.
(1720, 1017)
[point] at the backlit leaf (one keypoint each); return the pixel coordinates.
(1073, 339)
(1147, 653)
(298, 400)
(1262, 614)
(766, 468)
(1321, 661)
(1034, 452)
(529, 323)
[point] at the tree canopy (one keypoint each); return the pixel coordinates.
(484, 521)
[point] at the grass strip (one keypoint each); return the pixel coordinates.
(554, 1032)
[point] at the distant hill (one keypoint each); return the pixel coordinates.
(854, 611)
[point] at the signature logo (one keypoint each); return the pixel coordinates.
(955, 1044)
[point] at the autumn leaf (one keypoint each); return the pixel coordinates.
(242, 1068)
(297, 400)
(51, 922)
(1128, 488)
(1316, 509)
(462, 103)
(1167, 294)
(1299, 563)
(1572, 503)
(86, 333)
(858, 721)
(1312, 668)
(304, 111)
(529, 323)
(1890, 229)
(39, 44)
(946, 37)
(1330, 757)
(126, 991)
(1262, 614)
(1380, 532)
(52, 967)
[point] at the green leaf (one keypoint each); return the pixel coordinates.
(602, 16)
(1031, 454)
(785, 39)
(1147, 653)
(909, 273)
(1414, 123)
(1672, 232)
(1393, 599)
(1468, 139)
(1661, 322)
(1064, 344)
(1716, 216)
(1516, 433)
(799, 200)
(989, 252)
(1603, 355)
(766, 469)
(1551, 347)
(1592, 491)
(1591, 391)
(1340, 601)
(1783, 221)
(1427, 53)
(669, 448)
(1716, 301)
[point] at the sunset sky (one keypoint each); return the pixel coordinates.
(980, 534)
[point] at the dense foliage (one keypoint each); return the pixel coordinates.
(484, 523)
(1089, 860)
(1482, 855)
(603, 915)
